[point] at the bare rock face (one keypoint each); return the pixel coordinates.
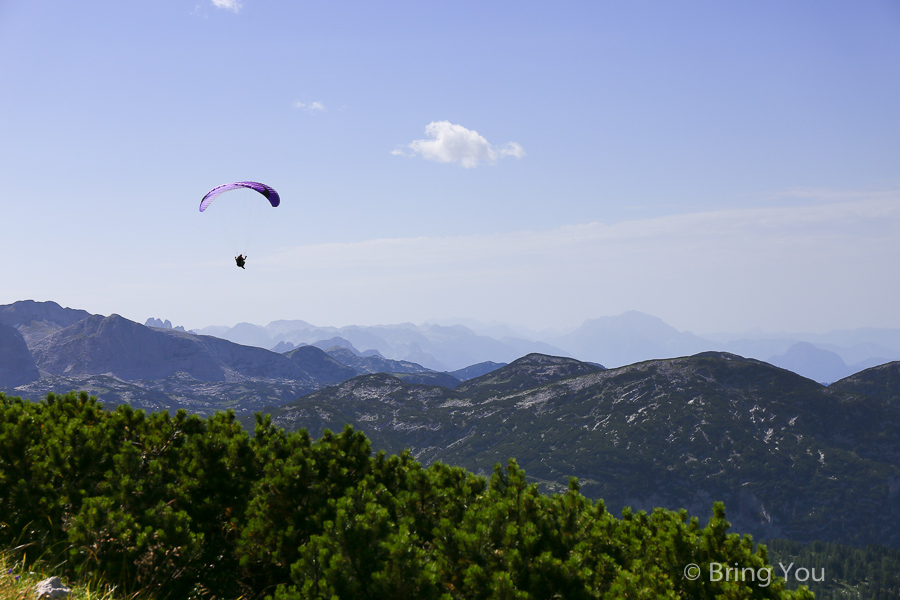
(98, 345)
(51, 588)
(16, 364)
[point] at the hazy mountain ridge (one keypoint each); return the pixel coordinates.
(213, 358)
(155, 368)
(374, 363)
(436, 347)
(859, 349)
(813, 362)
(608, 341)
(629, 338)
(790, 457)
(321, 366)
(612, 341)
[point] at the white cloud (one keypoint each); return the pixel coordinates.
(449, 143)
(311, 107)
(232, 5)
(512, 149)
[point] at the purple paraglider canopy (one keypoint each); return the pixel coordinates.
(270, 194)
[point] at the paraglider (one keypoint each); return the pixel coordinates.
(270, 194)
(241, 224)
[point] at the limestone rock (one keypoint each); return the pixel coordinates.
(51, 588)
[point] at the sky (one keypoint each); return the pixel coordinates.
(724, 166)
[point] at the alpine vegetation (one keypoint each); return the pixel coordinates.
(197, 507)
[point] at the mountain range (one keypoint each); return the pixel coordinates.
(46, 348)
(612, 341)
(431, 350)
(789, 456)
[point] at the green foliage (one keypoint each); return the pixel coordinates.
(193, 507)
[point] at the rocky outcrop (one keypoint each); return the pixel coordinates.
(51, 589)
(167, 324)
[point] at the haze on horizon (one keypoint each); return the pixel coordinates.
(723, 167)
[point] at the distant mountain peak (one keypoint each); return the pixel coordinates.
(628, 338)
(813, 362)
(336, 342)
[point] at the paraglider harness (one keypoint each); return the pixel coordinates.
(240, 259)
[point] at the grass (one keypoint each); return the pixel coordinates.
(17, 582)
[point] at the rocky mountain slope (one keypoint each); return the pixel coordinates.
(881, 383)
(35, 320)
(16, 363)
(154, 368)
(130, 351)
(789, 457)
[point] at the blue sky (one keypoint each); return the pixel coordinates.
(721, 165)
